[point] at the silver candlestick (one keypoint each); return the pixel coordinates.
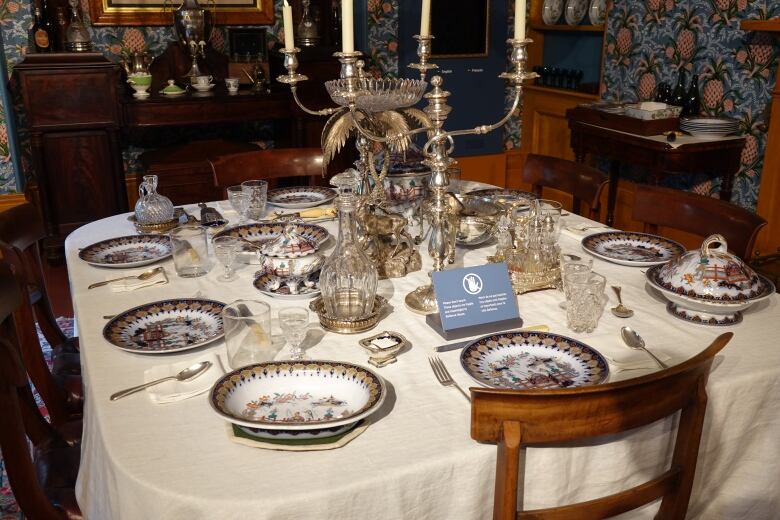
(423, 52)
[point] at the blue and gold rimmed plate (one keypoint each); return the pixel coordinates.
(299, 197)
(126, 252)
(166, 326)
(533, 360)
(632, 249)
(300, 396)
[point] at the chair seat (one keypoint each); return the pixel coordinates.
(66, 364)
(70, 346)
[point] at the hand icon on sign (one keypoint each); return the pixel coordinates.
(472, 283)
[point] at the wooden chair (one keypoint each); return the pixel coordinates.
(582, 182)
(514, 419)
(274, 164)
(21, 232)
(657, 206)
(62, 393)
(42, 481)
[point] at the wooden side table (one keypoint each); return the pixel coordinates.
(718, 158)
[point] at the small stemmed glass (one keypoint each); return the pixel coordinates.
(239, 200)
(225, 249)
(294, 322)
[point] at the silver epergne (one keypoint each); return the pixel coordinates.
(381, 111)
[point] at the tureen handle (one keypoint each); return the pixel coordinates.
(713, 239)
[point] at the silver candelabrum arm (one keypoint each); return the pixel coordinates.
(292, 78)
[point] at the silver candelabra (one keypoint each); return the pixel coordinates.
(381, 111)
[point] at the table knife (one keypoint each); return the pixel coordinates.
(462, 344)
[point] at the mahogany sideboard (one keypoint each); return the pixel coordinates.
(78, 109)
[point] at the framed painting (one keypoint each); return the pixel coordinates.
(158, 12)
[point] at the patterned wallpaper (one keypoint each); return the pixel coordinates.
(650, 41)
(647, 42)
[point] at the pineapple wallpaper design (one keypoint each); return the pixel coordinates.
(649, 42)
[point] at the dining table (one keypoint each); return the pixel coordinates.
(416, 459)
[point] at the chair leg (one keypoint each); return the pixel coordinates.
(507, 467)
(686, 451)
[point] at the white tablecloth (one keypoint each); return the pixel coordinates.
(416, 461)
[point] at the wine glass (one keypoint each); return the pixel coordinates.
(294, 322)
(239, 200)
(225, 249)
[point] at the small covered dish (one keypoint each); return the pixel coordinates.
(709, 285)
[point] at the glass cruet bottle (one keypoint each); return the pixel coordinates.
(348, 278)
(152, 208)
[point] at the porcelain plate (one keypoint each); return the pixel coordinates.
(632, 249)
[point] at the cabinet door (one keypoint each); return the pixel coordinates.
(79, 178)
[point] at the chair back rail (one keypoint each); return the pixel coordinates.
(279, 163)
(657, 206)
(513, 419)
(582, 182)
(21, 231)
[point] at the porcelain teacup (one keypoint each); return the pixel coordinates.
(231, 84)
(202, 81)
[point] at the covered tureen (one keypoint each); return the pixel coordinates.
(709, 285)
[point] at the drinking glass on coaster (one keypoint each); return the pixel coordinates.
(294, 322)
(190, 251)
(225, 249)
(258, 193)
(239, 201)
(247, 326)
(584, 301)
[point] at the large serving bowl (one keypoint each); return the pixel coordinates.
(326, 397)
(477, 219)
(710, 285)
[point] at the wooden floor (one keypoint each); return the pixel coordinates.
(59, 289)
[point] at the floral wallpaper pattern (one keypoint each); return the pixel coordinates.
(651, 41)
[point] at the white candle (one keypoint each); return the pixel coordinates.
(519, 19)
(425, 18)
(347, 25)
(289, 40)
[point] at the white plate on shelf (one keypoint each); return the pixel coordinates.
(597, 12)
(576, 11)
(552, 11)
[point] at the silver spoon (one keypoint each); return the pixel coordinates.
(635, 341)
(143, 276)
(191, 372)
(621, 311)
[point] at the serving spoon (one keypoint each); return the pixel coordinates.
(635, 341)
(621, 311)
(189, 373)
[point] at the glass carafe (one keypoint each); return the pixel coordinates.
(348, 278)
(152, 208)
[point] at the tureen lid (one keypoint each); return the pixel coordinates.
(711, 273)
(290, 244)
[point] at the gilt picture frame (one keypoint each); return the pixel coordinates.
(158, 12)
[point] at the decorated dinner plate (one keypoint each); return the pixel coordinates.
(597, 12)
(128, 251)
(299, 197)
(576, 11)
(166, 326)
(552, 11)
(632, 249)
(504, 194)
(289, 287)
(304, 395)
(525, 360)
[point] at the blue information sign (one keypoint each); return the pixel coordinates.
(476, 299)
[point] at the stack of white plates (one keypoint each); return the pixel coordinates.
(709, 126)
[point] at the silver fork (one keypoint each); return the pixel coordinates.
(443, 376)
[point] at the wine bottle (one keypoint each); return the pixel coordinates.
(43, 31)
(692, 105)
(678, 96)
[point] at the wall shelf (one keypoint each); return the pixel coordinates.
(772, 25)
